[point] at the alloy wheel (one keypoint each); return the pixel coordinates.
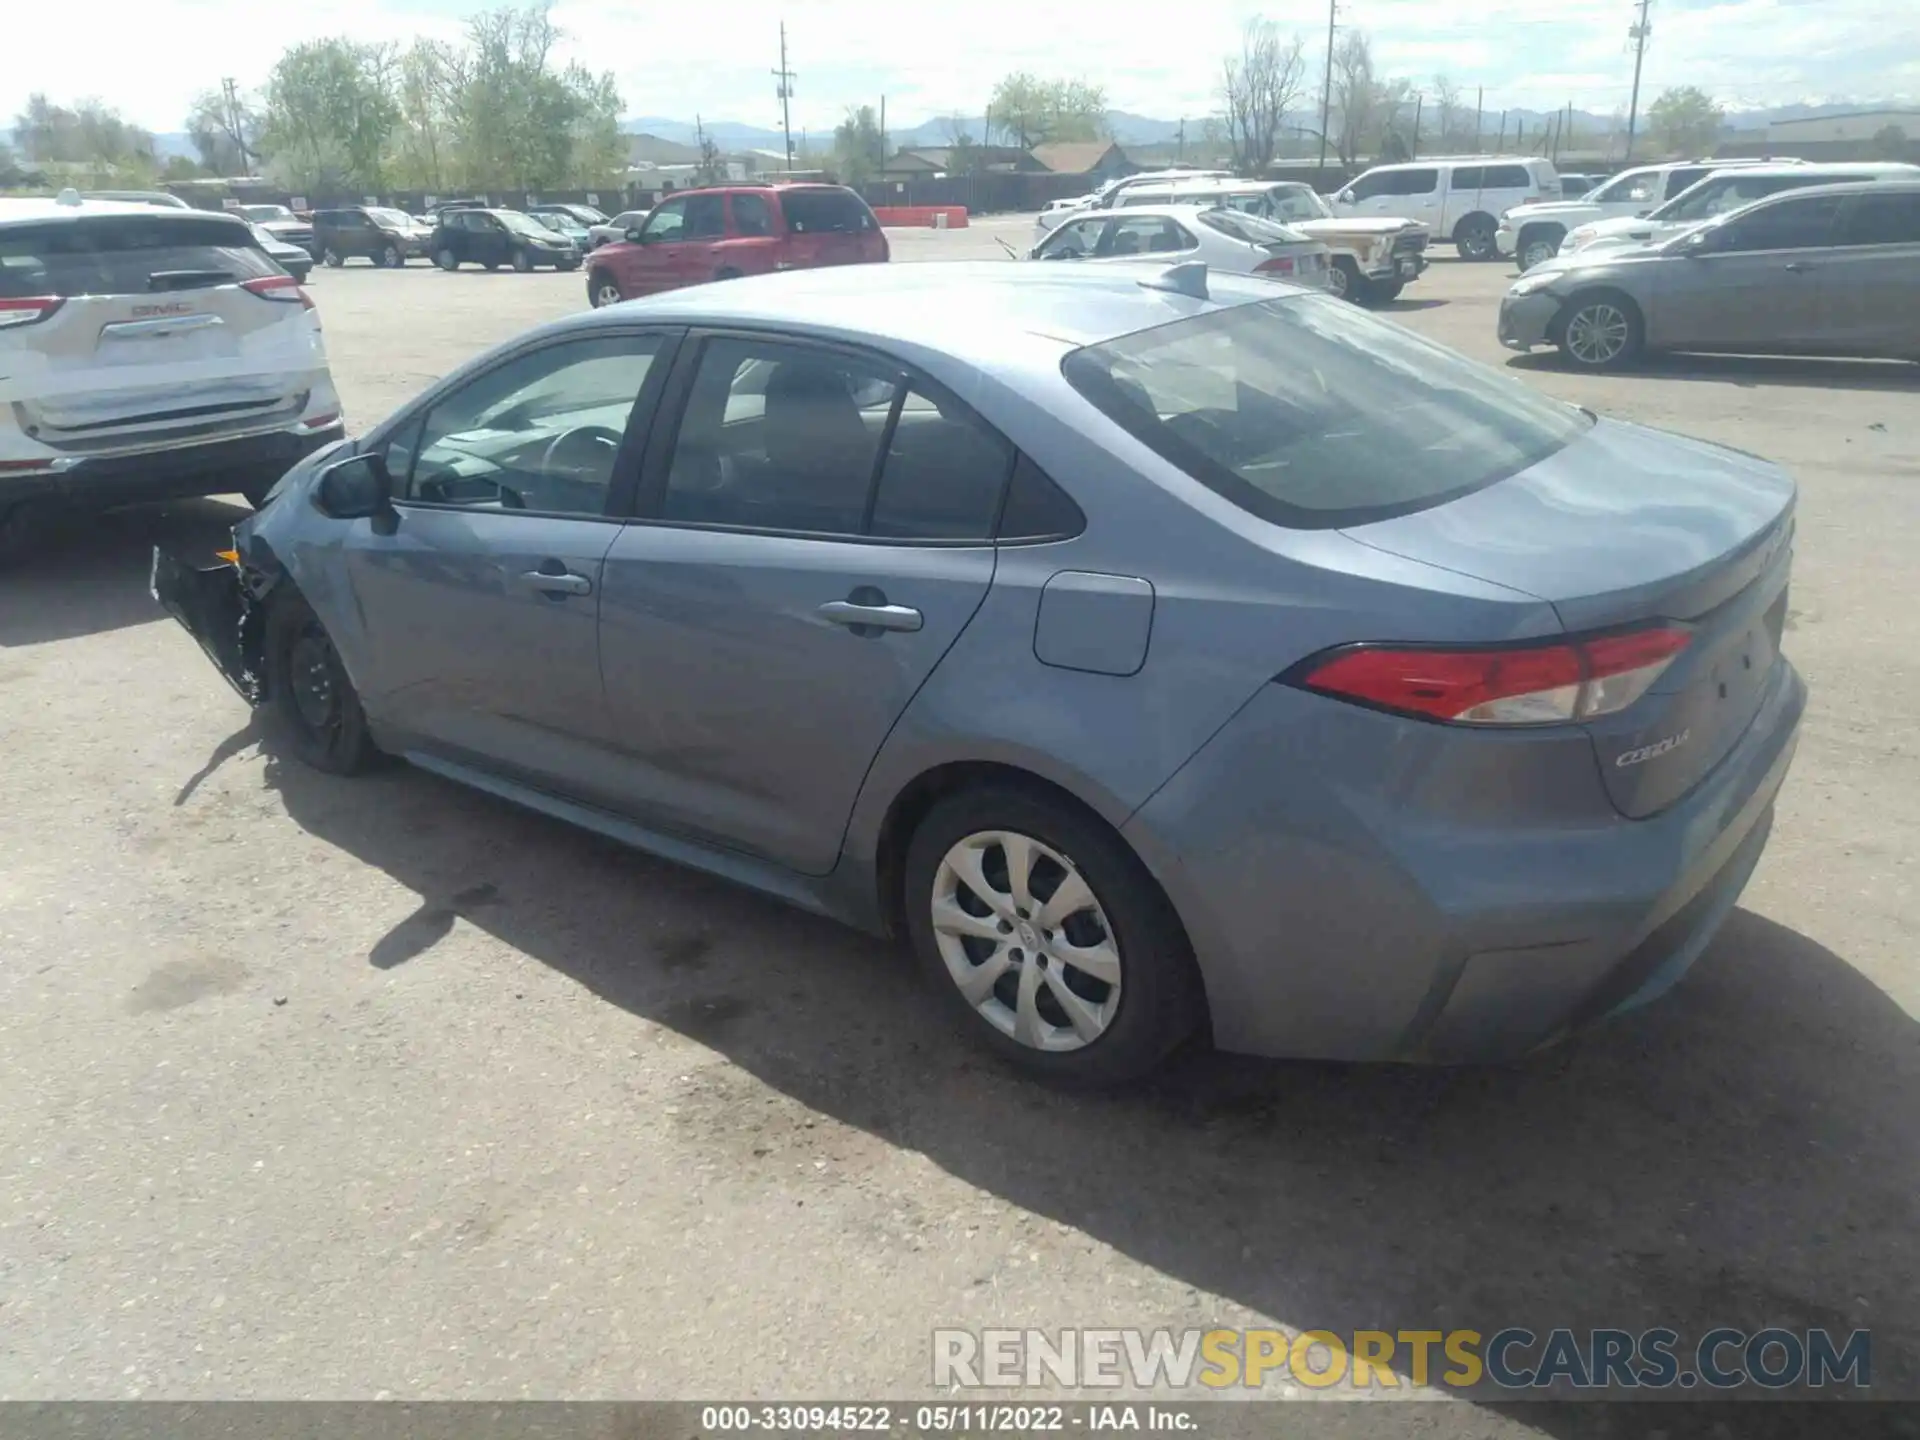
(393, 258)
(605, 292)
(1537, 252)
(446, 260)
(1338, 282)
(1598, 333)
(1025, 940)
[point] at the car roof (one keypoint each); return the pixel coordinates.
(1840, 187)
(1829, 167)
(1432, 160)
(1172, 210)
(40, 210)
(988, 314)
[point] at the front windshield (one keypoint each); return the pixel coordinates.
(390, 217)
(1634, 186)
(522, 224)
(266, 212)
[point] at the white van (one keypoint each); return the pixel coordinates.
(1458, 197)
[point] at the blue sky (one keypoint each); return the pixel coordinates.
(932, 60)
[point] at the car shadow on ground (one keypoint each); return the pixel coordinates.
(1405, 306)
(1755, 371)
(85, 574)
(1745, 1153)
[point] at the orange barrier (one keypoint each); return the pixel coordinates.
(921, 217)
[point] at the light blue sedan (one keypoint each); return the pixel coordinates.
(1166, 655)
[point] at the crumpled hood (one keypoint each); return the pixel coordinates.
(1354, 225)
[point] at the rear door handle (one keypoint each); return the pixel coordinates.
(1798, 267)
(563, 582)
(880, 617)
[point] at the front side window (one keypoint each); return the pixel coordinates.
(1073, 241)
(1633, 187)
(1310, 415)
(538, 433)
(1684, 179)
(1415, 182)
(1298, 203)
(667, 223)
(1375, 182)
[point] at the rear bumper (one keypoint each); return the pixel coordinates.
(1337, 914)
(217, 467)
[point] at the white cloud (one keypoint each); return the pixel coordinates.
(678, 59)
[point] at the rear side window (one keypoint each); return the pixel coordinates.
(1507, 177)
(1038, 509)
(1468, 177)
(706, 217)
(944, 473)
(128, 255)
(1883, 220)
(751, 216)
(1309, 415)
(817, 212)
(1146, 235)
(1784, 225)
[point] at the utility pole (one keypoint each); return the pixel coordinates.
(1638, 34)
(1479, 100)
(785, 92)
(231, 94)
(883, 138)
(1326, 90)
(1183, 140)
(1413, 151)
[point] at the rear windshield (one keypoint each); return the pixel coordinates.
(1311, 414)
(128, 255)
(815, 212)
(1250, 228)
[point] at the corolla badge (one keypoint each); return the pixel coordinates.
(1653, 751)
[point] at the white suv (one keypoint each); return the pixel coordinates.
(148, 354)
(1108, 195)
(1458, 197)
(1532, 233)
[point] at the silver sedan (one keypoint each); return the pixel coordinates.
(1222, 239)
(1822, 270)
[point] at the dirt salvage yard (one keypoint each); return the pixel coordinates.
(343, 1088)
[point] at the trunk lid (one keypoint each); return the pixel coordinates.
(1623, 527)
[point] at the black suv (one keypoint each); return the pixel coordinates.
(492, 238)
(378, 233)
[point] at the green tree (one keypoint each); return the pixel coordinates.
(857, 146)
(1890, 143)
(1685, 121)
(523, 123)
(1033, 111)
(87, 133)
(329, 113)
(421, 154)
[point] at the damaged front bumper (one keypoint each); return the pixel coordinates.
(223, 607)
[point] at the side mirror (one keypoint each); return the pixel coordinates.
(354, 488)
(1345, 197)
(1700, 242)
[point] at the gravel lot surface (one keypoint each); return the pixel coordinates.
(363, 1088)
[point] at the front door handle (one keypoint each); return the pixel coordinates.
(878, 617)
(561, 582)
(1798, 267)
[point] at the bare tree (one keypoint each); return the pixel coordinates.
(1449, 115)
(1258, 87)
(1356, 96)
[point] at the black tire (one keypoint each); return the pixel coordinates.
(1381, 292)
(489, 265)
(522, 261)
(1537, 238)
(332, 258)
(1159, 1002)
(726, 273)
(1473, 237)
(567, 266)
(602, 289)
(392, 258)
(22, 526)
(1344, 278)
(1589, 354)
(311, 700)
(446, 260)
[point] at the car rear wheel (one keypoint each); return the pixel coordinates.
(1537, 246)
(312, 700)
(332, 258)
(1600, 331)
(446, 260)
(601, 290)
(1474, 238)
(392, 257)
(1344, 278)
(1047, 938)
(522, 261)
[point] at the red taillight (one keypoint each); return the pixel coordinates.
(1520, 685)
(28, 310)
(279, 287)
(1278, 265)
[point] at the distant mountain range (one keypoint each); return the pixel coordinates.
(1131, 129)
